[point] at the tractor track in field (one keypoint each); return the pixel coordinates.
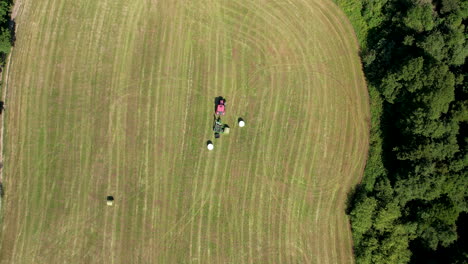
(17, 8)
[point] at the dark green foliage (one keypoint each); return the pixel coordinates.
(363, 214)
(5, 40)
(415, 185)
(5, 29)
(4, 11)
(372, 12)
(434, 45)
(454, 253)
(419, 17)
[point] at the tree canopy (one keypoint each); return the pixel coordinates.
(5, 28)
(415, 185)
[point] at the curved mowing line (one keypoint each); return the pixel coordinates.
(308, 91)
(343, 192)
(354, 72)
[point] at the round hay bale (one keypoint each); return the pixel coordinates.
(110, 200)
(210, 146)
(241, 123)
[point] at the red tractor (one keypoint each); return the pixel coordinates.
(220, 106)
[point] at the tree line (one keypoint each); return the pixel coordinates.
(6, 30)
(412, 201)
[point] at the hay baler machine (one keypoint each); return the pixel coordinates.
(220, 128)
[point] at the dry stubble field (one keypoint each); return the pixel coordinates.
(115, 97)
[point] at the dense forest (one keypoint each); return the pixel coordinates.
(6, 29)
(412, 202)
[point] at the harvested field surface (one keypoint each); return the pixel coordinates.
(116, 97)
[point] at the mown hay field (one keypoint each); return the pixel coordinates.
(115, 97)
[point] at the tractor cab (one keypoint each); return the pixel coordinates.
(220, 107)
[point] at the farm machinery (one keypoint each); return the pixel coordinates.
(219, 128)
(220, 105)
